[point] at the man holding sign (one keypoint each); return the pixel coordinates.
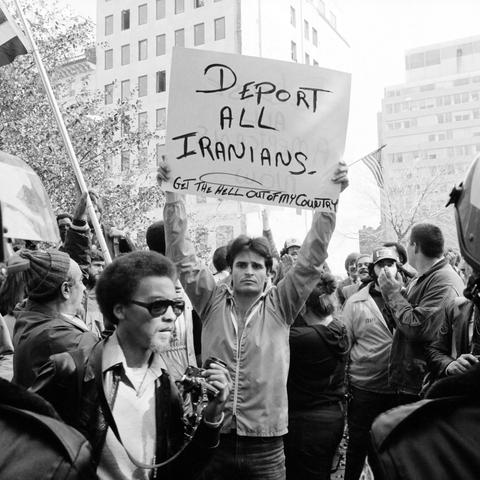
(247, 325)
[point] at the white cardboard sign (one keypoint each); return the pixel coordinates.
(255, 130)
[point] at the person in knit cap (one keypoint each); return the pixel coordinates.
(48, 322)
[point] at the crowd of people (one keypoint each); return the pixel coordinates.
(157, 365)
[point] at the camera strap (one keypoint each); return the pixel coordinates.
(198, 415)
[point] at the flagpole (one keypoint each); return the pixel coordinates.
(360, 159)
(64, 133)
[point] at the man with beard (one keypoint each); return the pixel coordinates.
(93, 315)
(136, 292)
(64, 222)
(367, 370)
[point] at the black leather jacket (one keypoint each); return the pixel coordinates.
(75, 396)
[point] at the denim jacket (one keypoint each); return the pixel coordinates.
(258, 361)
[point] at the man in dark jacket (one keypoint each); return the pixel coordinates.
(48, 322)
(123, 382)
(418, 312)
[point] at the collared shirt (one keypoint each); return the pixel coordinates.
(134, 413)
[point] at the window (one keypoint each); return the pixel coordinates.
(125, 54)
(198, 3)
(142, 157)
(306, 29)
(142, 50)
(161, 81)
(161, 118)
(179, 6)
(125, 161)
(199, 34)
(314, 37)
(321, 7)
(109, 25)
(307, 59)
(294, 51)
(142, 86)
(108, 59)
(293, 17)
(160, 9)
(161, 45)
(125, 126)
(219, 28)
(180, 38)
(142, 120)
(432, 57)
(125, 23)
(125, 89)
(142, 14)
(333, 20)
(109, 94)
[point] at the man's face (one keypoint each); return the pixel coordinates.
(274, 270)
(293, 251)
(137, 329)
(411, 255)
(249, 274)
(386, 264)
(76, 288)
(362, 268)
(94, 271)
(63, 225)
(352, 270)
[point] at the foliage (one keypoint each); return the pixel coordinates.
(98, 133)
(417, 194)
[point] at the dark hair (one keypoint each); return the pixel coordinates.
(220, 259)
(60, 216)
(402, 252)
(118, 282)
(242, 243)
(96, 255)
(323, 300)
(429, 239)
(350, 257)
(155, 237)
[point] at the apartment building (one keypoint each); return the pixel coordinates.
(431, 126)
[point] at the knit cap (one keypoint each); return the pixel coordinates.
(48, 270)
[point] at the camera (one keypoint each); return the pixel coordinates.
(193, 382)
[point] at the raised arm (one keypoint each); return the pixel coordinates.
(195, 277)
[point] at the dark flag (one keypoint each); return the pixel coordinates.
(12, 40)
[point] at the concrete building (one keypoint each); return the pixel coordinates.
(431, 128)
(136, 37)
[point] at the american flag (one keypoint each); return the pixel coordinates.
(373, 162)
(12, 40)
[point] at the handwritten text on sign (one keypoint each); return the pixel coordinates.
(255, 130)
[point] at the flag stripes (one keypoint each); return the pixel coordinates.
(373, 162)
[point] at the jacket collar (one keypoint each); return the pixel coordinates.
(362, 295)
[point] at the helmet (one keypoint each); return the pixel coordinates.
(466, 199)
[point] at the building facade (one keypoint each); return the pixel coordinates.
(134, 53)
(431, 127)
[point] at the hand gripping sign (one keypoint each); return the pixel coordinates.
(255, 130)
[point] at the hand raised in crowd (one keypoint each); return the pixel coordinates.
(388, 283)
(163, 173)
(463, 363)
(219, 377)
(81, 208)
(115, 232)
(287, 263)
(341, 175)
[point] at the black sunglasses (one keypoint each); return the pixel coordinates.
(159, 307)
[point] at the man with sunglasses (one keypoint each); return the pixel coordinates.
(247, 325)
(123, 382)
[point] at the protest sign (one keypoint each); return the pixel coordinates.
(255, 130)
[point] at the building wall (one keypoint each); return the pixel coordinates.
(431, 123)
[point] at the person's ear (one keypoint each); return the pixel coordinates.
(119, 311)
(65, 290)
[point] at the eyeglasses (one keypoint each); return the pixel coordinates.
(159, 307)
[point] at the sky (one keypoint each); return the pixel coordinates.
(378, 32)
